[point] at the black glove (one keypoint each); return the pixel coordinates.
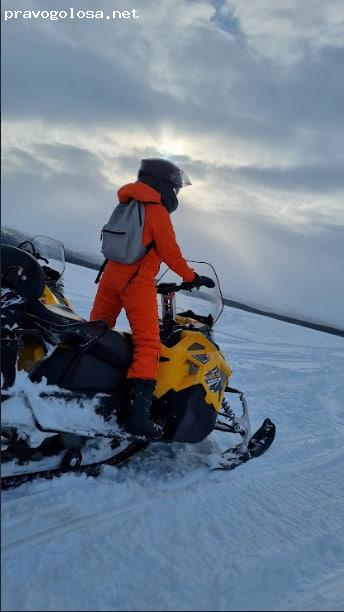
(199, 281)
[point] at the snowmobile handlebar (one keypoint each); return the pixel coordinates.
(165, 288)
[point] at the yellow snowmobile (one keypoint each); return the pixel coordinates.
(63, 377)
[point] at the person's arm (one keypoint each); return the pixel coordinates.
(166, 244)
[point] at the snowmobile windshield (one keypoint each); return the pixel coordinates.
(204, 302)
(49, 253)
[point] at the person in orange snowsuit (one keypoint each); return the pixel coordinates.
(132, 286)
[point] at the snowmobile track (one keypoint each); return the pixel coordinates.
(90, 470)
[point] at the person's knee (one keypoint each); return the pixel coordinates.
(106, 306)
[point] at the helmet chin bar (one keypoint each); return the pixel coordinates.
(179, 179)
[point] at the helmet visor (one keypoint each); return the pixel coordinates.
(180, 179)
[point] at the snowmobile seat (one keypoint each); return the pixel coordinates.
(98, 365)
(57, 314)
(60, 323)
(114, 347)
(57, 320)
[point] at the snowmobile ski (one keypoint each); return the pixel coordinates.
(257, 446)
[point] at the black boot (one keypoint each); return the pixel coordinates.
(137, 419)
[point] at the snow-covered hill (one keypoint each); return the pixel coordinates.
(165, 534)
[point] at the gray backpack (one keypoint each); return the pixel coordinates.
(122, 235)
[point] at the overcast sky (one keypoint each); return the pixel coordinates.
(247, 95)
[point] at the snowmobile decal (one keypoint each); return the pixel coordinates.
(214, 380)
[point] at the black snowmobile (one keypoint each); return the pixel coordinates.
(63, 378)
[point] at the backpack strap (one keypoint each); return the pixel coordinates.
(150, 246)
(101, 270)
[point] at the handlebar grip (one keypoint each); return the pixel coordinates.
(208, 282)
(186, 286)
(202, 281)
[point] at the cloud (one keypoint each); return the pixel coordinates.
(205, 83)
(59, 191)
(288, 31)
(248, 96)
(318, 179)
(70, 84)
(269, 264)
(227, 101)
(258, 259)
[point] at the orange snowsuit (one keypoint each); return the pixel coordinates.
(132, 286)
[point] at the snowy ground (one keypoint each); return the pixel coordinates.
(165, 534)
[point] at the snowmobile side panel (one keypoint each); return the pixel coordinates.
(30, 353)
(72, 413)
(194, 360)
(49, 298)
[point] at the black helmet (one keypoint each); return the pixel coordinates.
(166, 178)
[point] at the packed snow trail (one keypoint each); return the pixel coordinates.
(165, 533)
